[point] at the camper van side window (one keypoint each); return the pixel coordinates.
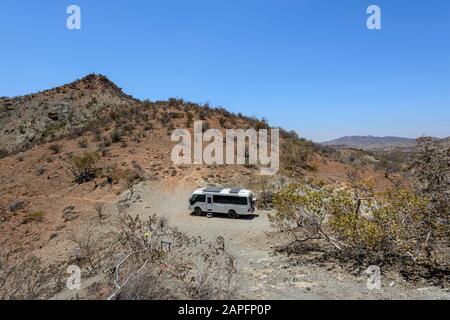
(230, 200)
(198, 198)
(241, 201)
(221, 199)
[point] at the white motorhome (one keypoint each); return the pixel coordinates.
(235, 202)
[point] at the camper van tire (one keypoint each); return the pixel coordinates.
(198, 211)
(233, 215)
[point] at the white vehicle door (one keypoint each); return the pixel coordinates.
(209, 203)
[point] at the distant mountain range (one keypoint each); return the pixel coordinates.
(370, 142)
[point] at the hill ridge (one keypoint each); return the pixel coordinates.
(371, 142)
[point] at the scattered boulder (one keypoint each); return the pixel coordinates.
(69, 214)
(16, 206)
(71, 208)
(59, 228)
(53, 236)
(53, 116)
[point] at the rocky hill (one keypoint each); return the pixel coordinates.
(30, 119)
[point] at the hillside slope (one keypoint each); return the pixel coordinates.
(44, 212)
(29, 119)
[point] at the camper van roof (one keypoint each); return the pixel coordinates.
(225, 191)
(213, 189)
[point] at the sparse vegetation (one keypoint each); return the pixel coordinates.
(37, 216)
(205, 126)
(83, 167)
(116, 135)
(295, 154)
(55, 148)
(83, 143)
(16, 206)
(103, 150)
(132, 179)
(40, 170)
(99, 210)
(164, 263)
(189, 119)
(165, 120)
(28, 279)
(148, 126)
(3, 153)
(400, 226)
(106, 142)
(52, 130)
(432, 177)
(85, 252)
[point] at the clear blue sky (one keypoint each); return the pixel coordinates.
(306, 65)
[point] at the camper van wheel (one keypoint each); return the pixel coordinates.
(232, 214)
(198, 211)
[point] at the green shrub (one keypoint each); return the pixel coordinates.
(3, 153)
(52, 130)
(82, 167)
(37, 216)
(397, 224)
(116, 135)
(55, 148)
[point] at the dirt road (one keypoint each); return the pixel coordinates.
(262, 274)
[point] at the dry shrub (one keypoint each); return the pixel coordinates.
(99, 209)
(116, 135)
(114, 172)
(55, 148)
(265, 188)
(17, 206)
(87, 249)
(83, 143)
(189, 119)
(397, 226)
(3, 153)
(162, 262)
(432, 180)
(295, 154)
(165, 119)
(37, 216)
(83, 167)
(28, 279)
